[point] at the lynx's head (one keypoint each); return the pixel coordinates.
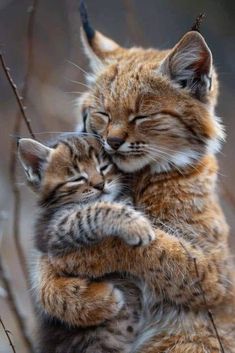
(149, 106)
(73, 169)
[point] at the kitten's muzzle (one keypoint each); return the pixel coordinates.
(99, 186)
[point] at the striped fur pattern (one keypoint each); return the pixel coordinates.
(81, 202)
(154, 112)
(73, 226)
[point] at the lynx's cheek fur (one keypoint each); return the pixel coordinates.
(155, 107)
(153, 123)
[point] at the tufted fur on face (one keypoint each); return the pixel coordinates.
(73, 169)
(151, 106)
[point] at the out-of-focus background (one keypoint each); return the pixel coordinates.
(51, 93)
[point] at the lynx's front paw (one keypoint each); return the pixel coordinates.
(138, 231)
(107, 301)
(79, 302)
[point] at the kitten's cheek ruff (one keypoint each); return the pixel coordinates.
(108, 197)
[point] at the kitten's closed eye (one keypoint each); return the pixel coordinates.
(105, 167)
(80, 178)
(74, 182)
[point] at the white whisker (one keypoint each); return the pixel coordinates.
(78, 67)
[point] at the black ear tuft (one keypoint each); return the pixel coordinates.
(90, 32)
(197, 24)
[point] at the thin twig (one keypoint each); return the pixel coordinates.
(8, 336)
(13, 165)
(12, 304)
(209, 312)
(11, 299)
(16, 93)
(16, 133)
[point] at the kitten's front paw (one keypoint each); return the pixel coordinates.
(139, 232)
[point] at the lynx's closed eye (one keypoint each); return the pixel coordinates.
(139, 117)
(103, 113)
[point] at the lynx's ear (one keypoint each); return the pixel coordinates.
(33, 156)
(190, 65)
(98, 48)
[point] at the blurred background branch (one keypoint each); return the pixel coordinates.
(11, 301)
(16, 134)
(8, 335)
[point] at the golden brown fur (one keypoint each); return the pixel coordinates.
(170, 155)
(179, 194)
(167, 265)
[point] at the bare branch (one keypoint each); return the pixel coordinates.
(16, 132)
(11, 300)
(13, 165)
(209, 312)
(17, 95)
(8, 336)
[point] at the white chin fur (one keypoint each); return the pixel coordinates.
(108, 197)
(179, 160)
(113, 190)
(131, 164)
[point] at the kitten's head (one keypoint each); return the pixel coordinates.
(74, 169)
(149, 106)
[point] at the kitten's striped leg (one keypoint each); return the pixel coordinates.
(90, 224)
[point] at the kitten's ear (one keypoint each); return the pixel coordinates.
(190, 64)
(98, 47)
(33, 156)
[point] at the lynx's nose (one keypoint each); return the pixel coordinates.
(115, 142)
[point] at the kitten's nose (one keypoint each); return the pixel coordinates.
(115, 142)
(99, 186)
